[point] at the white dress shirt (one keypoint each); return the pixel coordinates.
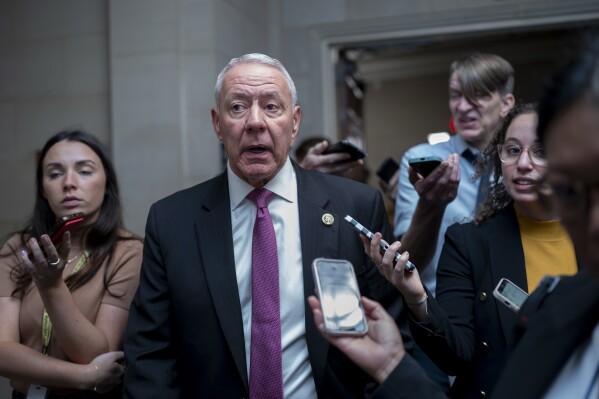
(283, 208)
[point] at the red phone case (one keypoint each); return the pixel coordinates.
(64, 224)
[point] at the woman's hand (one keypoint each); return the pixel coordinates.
(379, 351)
(408, 283)
(46, 270)
(105, 372)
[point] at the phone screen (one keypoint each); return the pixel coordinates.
(513, 293)
(510, 294)
(339, 297)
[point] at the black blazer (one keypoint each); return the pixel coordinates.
(185, 336)
(548, 336)
(469, 330)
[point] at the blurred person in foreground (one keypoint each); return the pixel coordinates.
(556, 340)
(64, 308)
(213, 317)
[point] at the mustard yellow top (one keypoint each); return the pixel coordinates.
(547, 250)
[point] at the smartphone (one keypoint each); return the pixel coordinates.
(382, 244)
(347, 147)
(60, 227)
(63, 224)
(36, 392)
(340, 301)
(425, 165)
(387, 169)
(510, 294)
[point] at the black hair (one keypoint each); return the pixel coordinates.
(577, 79)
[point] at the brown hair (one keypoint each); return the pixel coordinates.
(101, 238)
(483, 74)
(497, 197)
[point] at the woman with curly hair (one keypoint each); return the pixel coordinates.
(515, 235)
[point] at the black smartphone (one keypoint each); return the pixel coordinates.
(340, 301)
(425, 165)
(387, 169)
(347, 147)
(63, 224)
(510, 294)
(382, 244)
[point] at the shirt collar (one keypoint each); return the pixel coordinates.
(460, 145)
(279, 185)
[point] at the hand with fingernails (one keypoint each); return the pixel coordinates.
(46, 268)
(408, 284)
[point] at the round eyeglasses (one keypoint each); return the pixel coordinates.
(509, 154)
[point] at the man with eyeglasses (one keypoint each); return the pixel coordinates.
(480, 95)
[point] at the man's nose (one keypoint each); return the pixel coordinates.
(464, 104)
(255, 118)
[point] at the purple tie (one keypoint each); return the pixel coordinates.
(266, 371)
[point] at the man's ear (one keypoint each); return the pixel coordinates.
(507, 103)
(297, 116)
(216, 123)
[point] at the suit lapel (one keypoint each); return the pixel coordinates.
(213, 230)
(506, 259)
(316, 239)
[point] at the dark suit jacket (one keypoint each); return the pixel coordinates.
(469, 330)
(547, 337)
(185, 336)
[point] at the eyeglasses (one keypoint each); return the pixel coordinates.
(509, 154)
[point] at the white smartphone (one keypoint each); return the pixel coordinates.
(510, 294)
(37, 392)
(340, 301)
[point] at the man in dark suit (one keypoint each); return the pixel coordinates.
(190, 327)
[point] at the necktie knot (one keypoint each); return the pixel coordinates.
(260, 197)
(470, 156)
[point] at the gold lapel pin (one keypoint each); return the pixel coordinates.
(328, 219)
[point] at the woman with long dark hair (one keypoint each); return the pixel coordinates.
(64, 306)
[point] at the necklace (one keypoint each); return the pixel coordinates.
(74, 257)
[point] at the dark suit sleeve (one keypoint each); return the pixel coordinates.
(408, 381)
(448, 339)
(150, 351)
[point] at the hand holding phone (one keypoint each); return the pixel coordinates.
(383, 244)
(425, 165)
(510, 294)
(345, 146)
(340, 300)
(57, 231)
